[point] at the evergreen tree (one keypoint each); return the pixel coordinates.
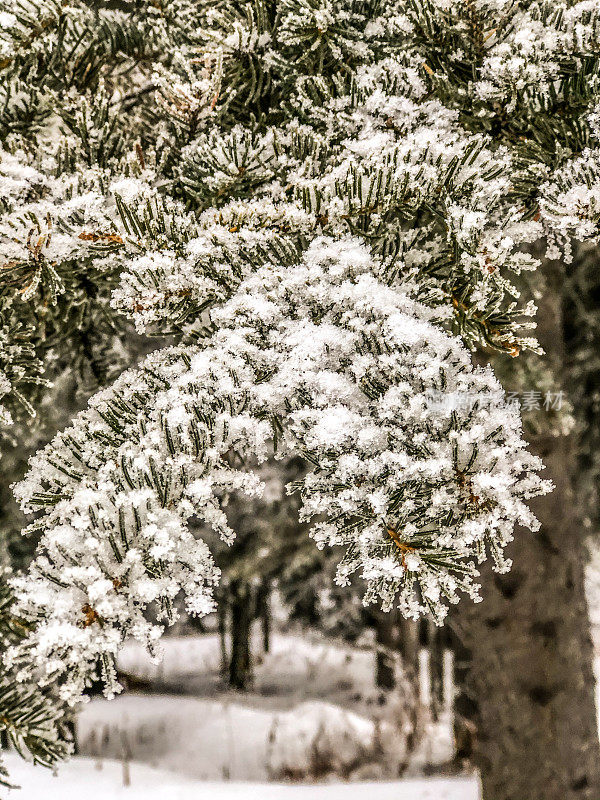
(60, 338)
(328, 206)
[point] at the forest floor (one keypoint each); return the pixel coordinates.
(313, 711)
(87, 779)
(186, 737)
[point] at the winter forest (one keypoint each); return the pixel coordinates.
(299, 399)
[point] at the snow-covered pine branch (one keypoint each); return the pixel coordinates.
(346, 188)
(321, 359)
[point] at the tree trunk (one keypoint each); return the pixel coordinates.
(263, 612)
(527, 682)
(222, 628)
(241, 617)
(408, 643)
(386, 643)
(437, 646)
(465, 704)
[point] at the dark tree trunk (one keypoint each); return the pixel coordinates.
(437, 646)
(222, 627)
(527, 686)
(386, 645)
(241, 618)
(465, 704)
(305, 608)
(263, 612)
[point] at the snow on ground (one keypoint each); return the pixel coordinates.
(205, 739)
(306, 694)
(313, 710)
(223, 740)
(93, 780)
(295, 666)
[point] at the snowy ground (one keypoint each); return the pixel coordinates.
(196, 741)
(313, 711)
(209, 740)
(86, 779)
(295, 667)
(223, 740)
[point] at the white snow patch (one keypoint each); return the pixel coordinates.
(93, 780)
(224, 740)
(313, 706)
(294, 665)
